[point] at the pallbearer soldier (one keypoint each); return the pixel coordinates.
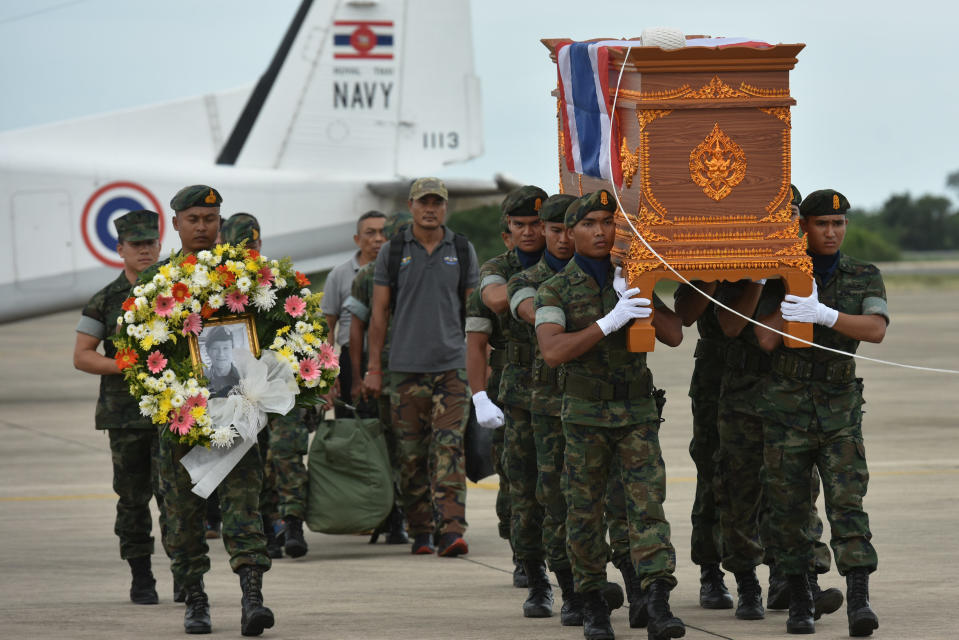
(609, 412)
(813, 414)
(706, 544)
(196, 220)
(526, 528)
(484, 335)
(133, 438)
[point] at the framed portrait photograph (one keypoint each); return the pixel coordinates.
(212, 351)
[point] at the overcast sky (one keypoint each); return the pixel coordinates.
(876, 85)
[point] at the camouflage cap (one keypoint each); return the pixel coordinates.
(240, 227)
(825, 202)
(601, 200)
(525, 201)
(197, 195)
(137, 226)
(554, 209)
(218, 334)
(796, 196)
(427, 186)
(503, 223)
(395, 222)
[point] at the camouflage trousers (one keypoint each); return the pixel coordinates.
(134, 453)
(503, 512)
(742, 503)
(550, 448)
(430, 411)
(590, 453)
(526, 521)
(289, 441)
(790, 457)
(706, 542)
(239, 495)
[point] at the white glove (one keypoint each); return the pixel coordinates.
(809, 309)
(619, 282)
(628, 308)
(488, 415)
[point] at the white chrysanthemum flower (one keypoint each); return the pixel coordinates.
(275, 264)
(156, 385)
(168, 376)
(280, 282)
(148, 406)
(204, 421)
(205, 430)
(309, 384)
(177, 400)
(178, 389)
(205, 256)
(120, 319)
(305, 292)
(205, 393)
(159, 331)
(128, 316)
(174, 274)
(160, 280)
(140, 302)
(301, 327)
(264, 298)
(138, 290)
(215, 301)
(141, 331)
(274, 270)
(278, 343)
(222, 437)
(200, 277)
(192, 386)
(244, 284)
(196, 306)
(132, 330)
(149, 289)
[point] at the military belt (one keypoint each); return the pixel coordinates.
(497, 358)
(593, 389)
(745, 358)
(544, 374)
(790, 366)
(708, 348)
(519, 353)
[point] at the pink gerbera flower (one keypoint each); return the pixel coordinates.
(156, 362)
(295, 306)
(266, 277)
(195, 401)
(309, 368)
(182, 422)
(236, 301)
(193, 324)
(327, 357)
(164, 306)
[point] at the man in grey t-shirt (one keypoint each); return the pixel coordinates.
(429, 396)
(369, 238)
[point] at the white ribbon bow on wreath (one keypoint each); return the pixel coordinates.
(266, 386)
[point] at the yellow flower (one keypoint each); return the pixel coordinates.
(287, 352)
(187, 267)
(141, 376)
(283, 331)
(236, 267)
(214, 277)
(309, 338)
(146, 343)
(220, 249)
(197, 412)
(165, 270)
(252, 266)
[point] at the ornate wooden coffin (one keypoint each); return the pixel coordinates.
(704, 140)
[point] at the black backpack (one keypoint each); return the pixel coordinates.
(462, 257)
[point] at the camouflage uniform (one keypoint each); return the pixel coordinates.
(812, 406)
(288, 443)
(479, 319)
(608, 412)
(133, 438)
(526, 529)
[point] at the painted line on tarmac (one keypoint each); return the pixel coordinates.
(77, 496)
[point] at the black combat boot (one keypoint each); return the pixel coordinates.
(196, 618)
(273, 547)
(823, 600)
(862, 619)
(634, 593)
(613, 595)
(179, 593)
(800, 605)
(750, 605)
(143, 589)
(539, 602)
(295, 545)
(520, 581)
(713, 593)
(778, 595)
(396, 523)
(571, 615)
(255, 617)
(596, 617)
(662, 623)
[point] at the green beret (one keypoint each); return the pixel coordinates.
(137, 226)
(504, 223)
(197, 195)
(825, 202)
(240, 227)
(395, 222)
(218, 334)
(525, 201)
(427, 186)
(554, 209)
(796, 196)
(601, 200)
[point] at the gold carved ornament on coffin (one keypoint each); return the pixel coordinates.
(717, 164)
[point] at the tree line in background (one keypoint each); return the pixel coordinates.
(902, 223)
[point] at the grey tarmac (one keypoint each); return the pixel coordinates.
(61, 575)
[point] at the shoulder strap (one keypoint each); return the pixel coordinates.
(462, 245)
(393, 267)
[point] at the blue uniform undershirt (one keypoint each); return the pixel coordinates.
(598, 268)
(555, 263)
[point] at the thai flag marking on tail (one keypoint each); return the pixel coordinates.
(585, 109)
(362, 39)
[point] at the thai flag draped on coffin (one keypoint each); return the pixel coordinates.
(585, 109)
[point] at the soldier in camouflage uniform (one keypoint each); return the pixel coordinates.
(609, 412)
(812, 406)
(706, 543)
(197, 219)
(522, 207)
(484, 335)
(358, 303)
(133, 438)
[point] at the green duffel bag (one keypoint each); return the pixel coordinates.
(351, 481)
